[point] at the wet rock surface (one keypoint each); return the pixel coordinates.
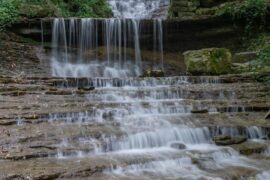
(52, 131)
(129, 128)
(153, 73)
(20, 57)
(227, 140)
(178, 146)
(249, 147)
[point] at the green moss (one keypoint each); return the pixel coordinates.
(220, 61)
(211, 61)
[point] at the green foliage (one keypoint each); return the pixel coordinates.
(8, 12)
(89, 8)
(250, 12)
(76, 8)
(209, 61)
(261, 44)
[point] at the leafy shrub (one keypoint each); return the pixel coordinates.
(89, 8)
(78, 8)
(8, 12)
(251, 12)
(261, 44)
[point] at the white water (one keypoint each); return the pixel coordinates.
(253, 132)
(263, 176)
(77, 51)
(100, 47)
(142, 9)
(150, 131)
(163, 137)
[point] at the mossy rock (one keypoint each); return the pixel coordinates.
(250, 147)
(210, 61)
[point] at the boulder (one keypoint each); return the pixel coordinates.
(227, 140)
(177, 145)
(210, 61)
(250, 147)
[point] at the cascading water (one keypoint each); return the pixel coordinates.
(155, 131)
(158, 42)
(79, 50)
(154, 115)
(141, 9)
(101, 47)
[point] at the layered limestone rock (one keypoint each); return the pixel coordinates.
(195, 9)
(183, 9)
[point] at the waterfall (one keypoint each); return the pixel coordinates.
(78, 47)
(158, 42)
(252, 132)
(90, 47)
(162, 137)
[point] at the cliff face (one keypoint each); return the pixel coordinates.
(178, 35)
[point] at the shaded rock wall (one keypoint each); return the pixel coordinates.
(178, 35)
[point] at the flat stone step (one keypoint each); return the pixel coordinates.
(129, 81)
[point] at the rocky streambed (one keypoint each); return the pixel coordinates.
(58, 123)
(121, 128)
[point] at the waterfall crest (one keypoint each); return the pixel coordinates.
(139, 9)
